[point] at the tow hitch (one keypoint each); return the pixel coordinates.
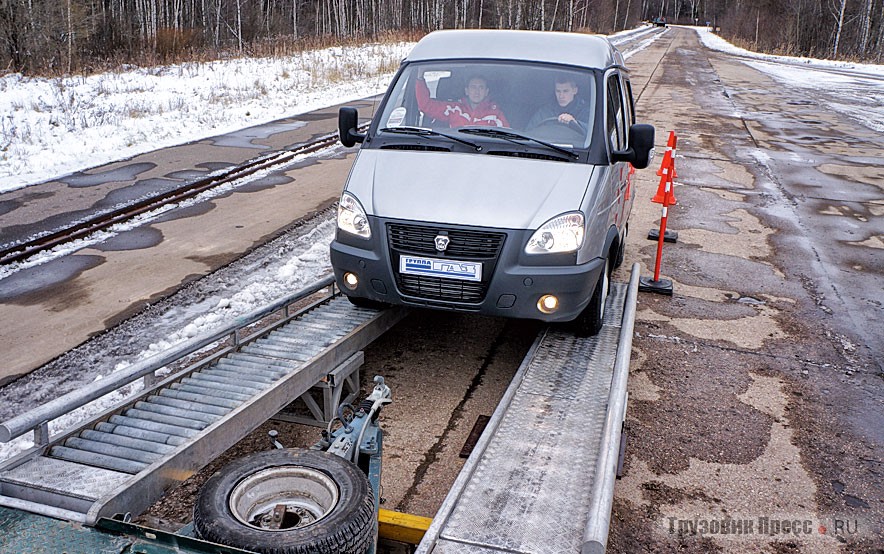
(322, 500)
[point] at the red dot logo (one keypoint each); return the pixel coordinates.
(822, 529)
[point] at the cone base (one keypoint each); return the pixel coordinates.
(668, 236)
(648, 284)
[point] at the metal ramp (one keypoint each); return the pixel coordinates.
(540, 479)
(124, 460)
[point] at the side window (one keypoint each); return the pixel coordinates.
(616, 119)
(630, 102)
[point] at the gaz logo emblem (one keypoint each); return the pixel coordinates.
(441, 242)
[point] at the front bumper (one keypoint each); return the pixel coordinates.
(512, 284)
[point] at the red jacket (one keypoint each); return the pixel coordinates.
(459, 114)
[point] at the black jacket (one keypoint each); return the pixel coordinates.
(578, 108)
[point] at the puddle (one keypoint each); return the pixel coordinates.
(750, 333)
(138, 191)
(749, 239)
(317, 116)
(187, 174)
(183, 213)
(248, 138)
(9, 206)
(136, 239)
(16, 288)
(215, 166)
(127, 172)
(265, 183)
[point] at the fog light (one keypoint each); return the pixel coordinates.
(548, 304)
(351, 281)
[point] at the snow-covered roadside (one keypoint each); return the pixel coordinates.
(51, 127)
(854, 90)
(715, 42)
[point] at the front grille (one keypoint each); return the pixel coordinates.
(437, 288)
(464, 244)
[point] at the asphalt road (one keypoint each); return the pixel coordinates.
(755, 391)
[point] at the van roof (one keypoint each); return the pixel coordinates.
(577, 49)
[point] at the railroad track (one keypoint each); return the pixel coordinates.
(19, 252)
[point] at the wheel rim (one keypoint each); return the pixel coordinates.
(283, 498)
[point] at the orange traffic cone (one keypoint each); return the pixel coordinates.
(670, 147)
(665, 193)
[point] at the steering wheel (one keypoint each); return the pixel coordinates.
(557, 121)
(552, 129)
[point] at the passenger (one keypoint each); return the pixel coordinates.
(475, 108)
(568, 109)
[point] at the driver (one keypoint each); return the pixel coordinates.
(567, 110)
(475, 108)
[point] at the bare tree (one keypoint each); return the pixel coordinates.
(838, 14)
(53, 35)
(865, 26)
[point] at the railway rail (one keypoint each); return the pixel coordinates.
(11, 253)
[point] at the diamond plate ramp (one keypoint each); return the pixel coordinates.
(528, 490)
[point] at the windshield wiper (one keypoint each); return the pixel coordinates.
(516, 138)
(424, 132)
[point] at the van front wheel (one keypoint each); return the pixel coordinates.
(589, 322)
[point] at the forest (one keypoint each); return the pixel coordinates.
(56, 37)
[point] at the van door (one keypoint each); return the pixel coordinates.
(617, 119)
(629, 105)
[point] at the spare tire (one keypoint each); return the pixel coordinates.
(289, 501)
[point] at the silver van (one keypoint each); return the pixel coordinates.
(495, 178)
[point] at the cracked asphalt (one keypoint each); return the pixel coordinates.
(756, 389)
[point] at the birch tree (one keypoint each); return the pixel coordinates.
(838, 13)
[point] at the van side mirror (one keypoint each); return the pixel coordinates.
(641, 146)
(348, 119)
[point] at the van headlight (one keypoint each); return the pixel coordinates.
(351, 217)
(563, 233)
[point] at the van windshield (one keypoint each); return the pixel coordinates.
(551, 104)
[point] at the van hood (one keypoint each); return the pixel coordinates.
(466, 189)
